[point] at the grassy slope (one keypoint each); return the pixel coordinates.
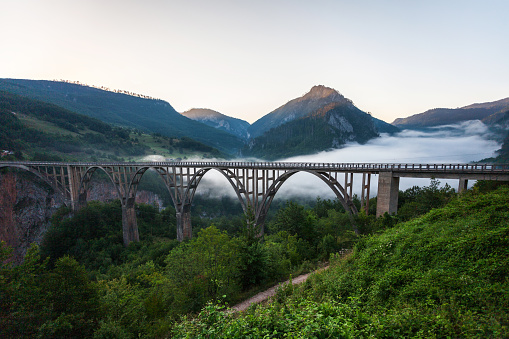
(45, 126)
(441, 275)
(156, 145)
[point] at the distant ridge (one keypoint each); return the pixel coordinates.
(220, 121)
(499, 104)
(444, 116)
(104, 88)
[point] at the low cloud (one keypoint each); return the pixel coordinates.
(462, 143)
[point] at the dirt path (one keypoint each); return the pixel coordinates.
(262, 296)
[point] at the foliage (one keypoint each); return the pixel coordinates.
(94, 234)
(42, 302)
(320, 130)
(440, 275)
(417, 200)
(148, 115)
(304, 319)
(144, 289)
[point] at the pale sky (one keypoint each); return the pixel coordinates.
(246, 58)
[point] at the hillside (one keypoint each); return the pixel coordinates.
(445, 116)
(331, 126)
(316, 98)
(147, 115)
(441, 275)
(500, 123)
(220, 121)
(383, 127)
(37, 130)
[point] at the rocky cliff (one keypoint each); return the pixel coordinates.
(26, 208)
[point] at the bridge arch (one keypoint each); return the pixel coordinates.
(237, 186)
(183, 202)
(334, 185)
(125, 185)
(182, 194)
(85, 180)
(53, 184)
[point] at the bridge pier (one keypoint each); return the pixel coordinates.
(388, 190)
(463, 185)
(82, 202)
(184, 228)
(129, 223)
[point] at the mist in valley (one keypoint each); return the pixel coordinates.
(466, 142)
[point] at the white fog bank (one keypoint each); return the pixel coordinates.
(462, 143)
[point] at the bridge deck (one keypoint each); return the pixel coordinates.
(342, 167)
(255, 183)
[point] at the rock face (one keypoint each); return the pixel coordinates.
(27, 205)
(220, 121)
(331, 126)
(105, 191)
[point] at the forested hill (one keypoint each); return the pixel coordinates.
(442, 275)
(319, 96)
(145, 114)
(329, 127)
(36, 130)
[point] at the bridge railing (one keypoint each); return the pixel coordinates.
(368, 167)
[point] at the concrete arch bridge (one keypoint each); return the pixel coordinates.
(255, 183)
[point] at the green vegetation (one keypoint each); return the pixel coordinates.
(502, 153)
(324, 129)
(41, 131)
(441, 274)
(127, 111)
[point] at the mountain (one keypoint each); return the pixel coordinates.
(383, 127)
(330, 126)
(445, 116)
(319, 96)
(497, 105)
(41, 131)
(220, 121)
(145, 114)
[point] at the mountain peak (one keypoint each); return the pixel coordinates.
(320, 92)
(303, 106)
(197, 113)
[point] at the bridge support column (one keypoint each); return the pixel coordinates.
(388, 190)
(78, 199)
(463, 185)
(184, 228)
(82, 201)
(129, 224)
